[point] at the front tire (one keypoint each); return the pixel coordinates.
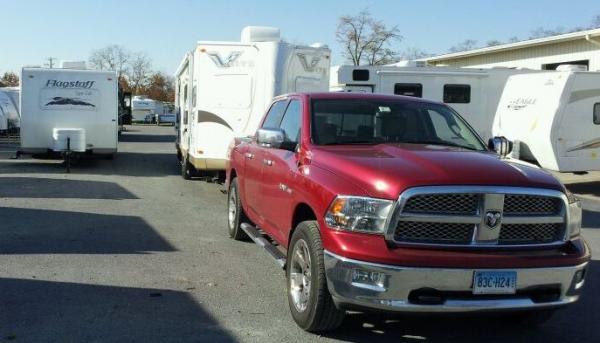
(310, 302)
(235, 213)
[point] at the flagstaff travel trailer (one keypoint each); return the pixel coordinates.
(65, 110)
(553, 119)
(223, 89)
(474, 93)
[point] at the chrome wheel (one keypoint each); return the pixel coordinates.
(232, 208)
(300, 276)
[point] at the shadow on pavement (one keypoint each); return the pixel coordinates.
(32, 231)
(146, 138)
(31, 187)
(124, 164)
(46, 311)
(579, 323)
(590, 188)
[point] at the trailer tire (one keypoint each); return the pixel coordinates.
(315, 311)
(187, 169)
(235, 213)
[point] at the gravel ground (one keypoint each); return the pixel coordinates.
(127, 251)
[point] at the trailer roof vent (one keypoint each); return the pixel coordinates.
(81, 65)
(260, 34)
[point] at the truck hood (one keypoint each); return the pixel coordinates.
(385, 170)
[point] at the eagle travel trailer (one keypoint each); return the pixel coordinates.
(223, 89)
(68, 111)
(553, 118)
(474, 93)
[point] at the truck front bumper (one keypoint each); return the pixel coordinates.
(410, 289)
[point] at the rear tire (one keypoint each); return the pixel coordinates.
(235, 213)
(310, 302)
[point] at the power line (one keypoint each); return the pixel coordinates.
(51, 61)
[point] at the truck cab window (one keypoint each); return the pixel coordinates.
(409, 89)
(457, 94)
(597, 113)
(291, 121)
(275, 114)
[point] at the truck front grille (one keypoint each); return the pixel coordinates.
(423, 232)
(524, 205)
(443, 203)
(478, 216)
(530, 233)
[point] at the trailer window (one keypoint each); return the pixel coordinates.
(194, 96)
(360, 75)
(457, 94)
(597, 113)
(409, 89)
(275, 114)
(291, 121)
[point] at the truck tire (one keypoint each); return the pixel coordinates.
(187, 169)
(235, 213)
(310, 302)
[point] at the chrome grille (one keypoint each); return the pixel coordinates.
(464, 216)
(518, 205)
(464, 203)
(423, 232)
(530, 233)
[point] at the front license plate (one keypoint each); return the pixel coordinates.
(494, 282)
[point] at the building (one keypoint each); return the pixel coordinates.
(580, 48)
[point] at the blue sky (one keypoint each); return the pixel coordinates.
(33, 30)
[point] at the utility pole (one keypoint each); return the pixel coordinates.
(51, 61)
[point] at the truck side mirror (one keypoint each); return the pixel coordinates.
(271, 137)
(501, 145)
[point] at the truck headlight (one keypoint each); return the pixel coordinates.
(574, 215)
(358, 214)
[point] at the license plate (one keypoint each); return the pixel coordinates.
(494, 282)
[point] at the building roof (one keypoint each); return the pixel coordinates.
(518, 45)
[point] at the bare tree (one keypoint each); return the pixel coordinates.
(541, 32)
(112, 57)
(595, 21)
(467, 44)
(493, 42)
(513, 39)
(9, 79)
(140, 69)
(366, 40)
(414, 54)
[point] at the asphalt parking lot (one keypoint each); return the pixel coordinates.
(127, 251)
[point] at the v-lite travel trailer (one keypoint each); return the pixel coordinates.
(474, 93)
(553, 119)
(223, 89)
(142, 108)
(68, 111)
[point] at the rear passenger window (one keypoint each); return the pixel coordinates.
(291, 121)
(409, 89)
(457, 94)
(275, 114)
(597, 113)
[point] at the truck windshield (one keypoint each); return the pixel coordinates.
(339, 122)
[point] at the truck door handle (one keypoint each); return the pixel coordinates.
(249, 155)
(268, 162)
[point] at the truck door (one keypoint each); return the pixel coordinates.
(255, 162)
(279, 168)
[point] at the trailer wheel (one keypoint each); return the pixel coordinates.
(235, 213)
(187, 169)
(309, 299)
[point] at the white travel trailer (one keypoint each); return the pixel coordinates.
(65, 110)
(553, 118)
(474, 93)
(9, 110)
(223, 89)
(142, 108)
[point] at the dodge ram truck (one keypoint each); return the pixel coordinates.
(374, 202)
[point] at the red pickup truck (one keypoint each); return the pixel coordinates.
(374, 202)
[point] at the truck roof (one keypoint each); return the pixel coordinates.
(357, 96)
